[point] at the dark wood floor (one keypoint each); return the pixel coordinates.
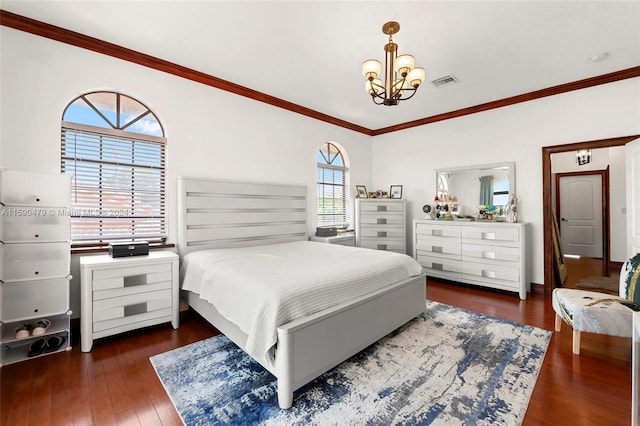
(116, 384)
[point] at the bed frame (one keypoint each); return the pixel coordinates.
(221, 214)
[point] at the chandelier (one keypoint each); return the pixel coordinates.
(401, 79)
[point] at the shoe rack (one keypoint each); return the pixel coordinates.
(34, 264)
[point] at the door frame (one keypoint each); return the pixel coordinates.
(606, 223)
(547, 214)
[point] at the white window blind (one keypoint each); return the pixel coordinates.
(118, 184)
(331, 186)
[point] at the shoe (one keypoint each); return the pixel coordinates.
(37, 347)
(41, 327)
(53, 344)
(23, 331)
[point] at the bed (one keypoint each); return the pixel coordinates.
(224, 222)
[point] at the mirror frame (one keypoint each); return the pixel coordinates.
(510, 164)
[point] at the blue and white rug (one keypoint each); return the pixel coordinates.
(450, 367)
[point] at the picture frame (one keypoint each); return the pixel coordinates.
(395, 191)
(362, 191)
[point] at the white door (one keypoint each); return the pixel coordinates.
(633, 197)
(581, 215)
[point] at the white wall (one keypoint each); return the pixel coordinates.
(211, 133)
(514, 133)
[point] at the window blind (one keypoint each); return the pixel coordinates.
(118, 184)
(331, 195)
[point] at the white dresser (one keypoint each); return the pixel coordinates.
(489, 254)
(380, 224)
(126, 293)
(35, 258)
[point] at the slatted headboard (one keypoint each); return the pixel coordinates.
(220, 214)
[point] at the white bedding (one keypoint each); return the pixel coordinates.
(262, 287)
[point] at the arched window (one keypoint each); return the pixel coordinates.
(332, 186)
(114, 147)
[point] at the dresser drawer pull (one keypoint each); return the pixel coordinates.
(382, 221)
(437, 266)
(436, 232)
(137, 309)
(488, 255)
(382, 234)
(488, 236)
(488, 274)
(382, 208)
(382, 246)
(436, 249)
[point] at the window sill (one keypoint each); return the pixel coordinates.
(105, 249)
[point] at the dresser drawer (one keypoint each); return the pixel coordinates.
(35, 189)
(30, 261)
(382, 206)
(490, 254)
(390, 244)
(492, 235)
(383, 218)
(33, 299)
(48, 227)
(437, 265)
(434, 230)
(440, 249)
(131, 305)
(491, 273)
(382, 231)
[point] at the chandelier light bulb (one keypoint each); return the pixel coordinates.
(371, 68)
(416, 76)
(404, 64)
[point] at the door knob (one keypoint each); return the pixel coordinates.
(563, 219)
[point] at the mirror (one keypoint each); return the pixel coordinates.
(459, 189)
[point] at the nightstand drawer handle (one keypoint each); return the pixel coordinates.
(488, 255)
(138, 308)
(488, 274)
(437, 266)
(134, 280)
(382, 208)
(488, 236)
(436, 232)
(436, 249)
(382, 234)
(382, 246)
(382, 221)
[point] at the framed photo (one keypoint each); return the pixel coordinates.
(362, 191)
(395, 191)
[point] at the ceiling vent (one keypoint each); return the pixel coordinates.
(444, 81)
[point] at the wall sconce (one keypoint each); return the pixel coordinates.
(583, 157)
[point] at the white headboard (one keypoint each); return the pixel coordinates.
(219, 214)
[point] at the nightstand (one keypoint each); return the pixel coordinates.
(127, 293)
(347, 239)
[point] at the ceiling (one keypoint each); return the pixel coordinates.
(310, 52)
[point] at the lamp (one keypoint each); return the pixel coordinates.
(402, 78)
(583, 157)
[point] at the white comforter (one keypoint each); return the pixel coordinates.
(260, 288)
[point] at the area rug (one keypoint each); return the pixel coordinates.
(449, 366)
(608, 284)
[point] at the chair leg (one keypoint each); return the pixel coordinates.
(558, 322)
(576, 342)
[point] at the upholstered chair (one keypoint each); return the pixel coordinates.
(600, 313)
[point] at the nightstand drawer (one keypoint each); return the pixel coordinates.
(381, 218)
(31, 299)
(127, 291)
(135, 276)
(130, 305)
(390, 244)
(131, 322)
(382, 206)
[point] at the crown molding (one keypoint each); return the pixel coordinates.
(73, 38)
